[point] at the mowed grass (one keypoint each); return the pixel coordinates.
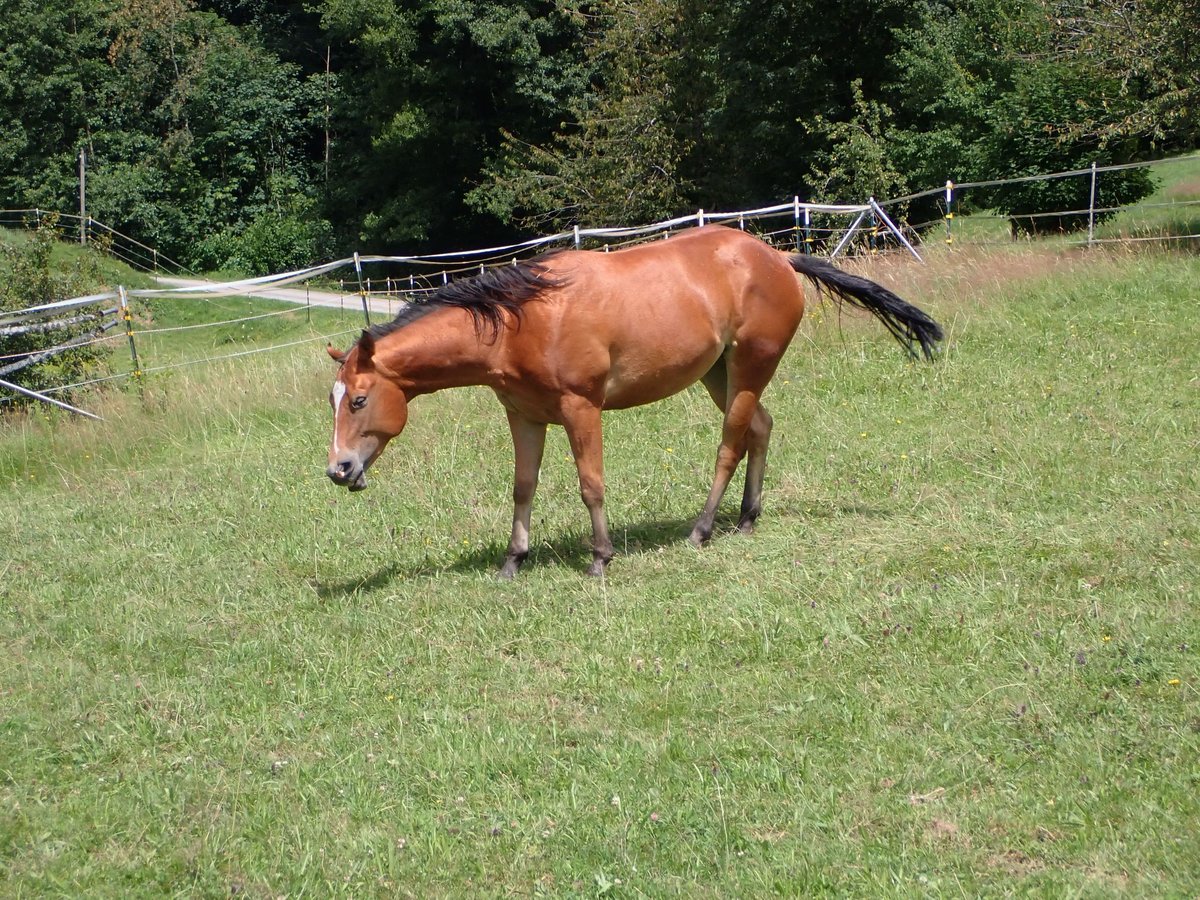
(958, 657)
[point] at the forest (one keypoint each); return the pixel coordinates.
(255, 135)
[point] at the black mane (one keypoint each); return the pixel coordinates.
(486, 296)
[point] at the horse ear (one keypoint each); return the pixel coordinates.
(336, 355)
(366, 350)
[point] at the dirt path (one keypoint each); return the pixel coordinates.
(301, 296)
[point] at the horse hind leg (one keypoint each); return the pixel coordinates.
(758, 440)
(746, 433)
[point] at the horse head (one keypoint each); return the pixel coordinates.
(369, 409)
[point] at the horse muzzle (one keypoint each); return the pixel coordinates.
(348, 474)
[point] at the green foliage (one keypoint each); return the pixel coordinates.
(858, 163)
(952, 65)
(289, 238)
(1146, 53)
(1024, 141)
(30, 276)
(230, 116)
(768, 71)
(425, 91)
(52, 57)
(187, 122)
(619, 161)
(434, 124)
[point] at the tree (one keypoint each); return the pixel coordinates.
(1146, 55)
(203, 131)
(52, 57)
(424, 92)
(857, 164)
(990, 90)
(190, 126)
(617, 162)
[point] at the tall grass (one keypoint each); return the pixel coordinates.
(957, 658)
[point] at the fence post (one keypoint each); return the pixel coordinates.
(796, 218)
(808, 238)
(576, 237)
(361, 291)
(1092, 207)
(128, 317)
(872, 234)
(949, 211)
(700, 218)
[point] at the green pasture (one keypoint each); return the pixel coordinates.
(959, 657)
(181, 331)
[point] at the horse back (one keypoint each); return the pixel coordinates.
(639, 324)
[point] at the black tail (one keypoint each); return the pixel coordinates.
(908, 325)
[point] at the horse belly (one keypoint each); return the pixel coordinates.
(637, 378)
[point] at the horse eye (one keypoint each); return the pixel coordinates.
(358, 402)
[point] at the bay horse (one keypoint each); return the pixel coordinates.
(567, 335)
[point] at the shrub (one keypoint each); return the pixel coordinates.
(270, 243)
(30, 277)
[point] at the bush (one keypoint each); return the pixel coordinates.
(270, 243)
(1021, 143)
(29, 277)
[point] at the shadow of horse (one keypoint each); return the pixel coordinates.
(570, 550)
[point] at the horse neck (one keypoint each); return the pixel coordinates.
(441, 350)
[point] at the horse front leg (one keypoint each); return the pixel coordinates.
(581, 421)
(529, 441)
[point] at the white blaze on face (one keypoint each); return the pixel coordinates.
(339, 394)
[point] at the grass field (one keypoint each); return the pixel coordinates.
(958, 658)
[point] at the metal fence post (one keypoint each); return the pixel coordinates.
(361, 290)
(1092, 207)
(949, 211)
(128, 317)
